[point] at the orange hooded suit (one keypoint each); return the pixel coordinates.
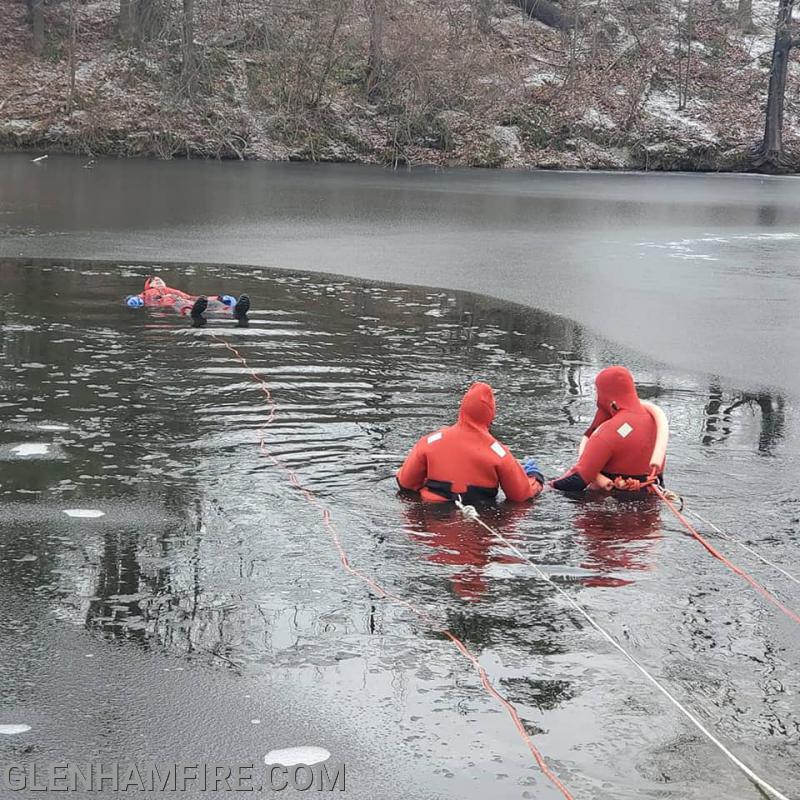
(621, 438)
(465, 459)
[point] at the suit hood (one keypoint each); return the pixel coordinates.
(615, 385)
(477, 407)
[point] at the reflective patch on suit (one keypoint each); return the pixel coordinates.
(434, 437)
(497, 448)
(624, 429)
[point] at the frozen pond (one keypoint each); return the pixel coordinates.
(699, 271)
(166, 593)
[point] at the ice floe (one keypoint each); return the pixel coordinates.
(291, 756)
(11, 730)
(31, 449)
(84, 513)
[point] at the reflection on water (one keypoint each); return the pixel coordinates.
(618, 540)
(206, 553)
(460, 546)
(769, 409)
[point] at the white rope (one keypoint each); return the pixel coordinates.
(470, 512)
(750, 550)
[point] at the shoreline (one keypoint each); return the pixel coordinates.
(568, 165)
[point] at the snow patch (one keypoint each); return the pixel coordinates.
(766, 237)
(596, 119)
(664, 106)
(291, 756)
(84, 513)
(541, 78)
(506, 139)
(19, 125)
(11, 730)
(31, 449)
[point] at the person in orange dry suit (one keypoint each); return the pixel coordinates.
(157, 294)
(465, 461)
(626, 444)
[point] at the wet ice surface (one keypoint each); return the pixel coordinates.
(209, 595)
(699, 271)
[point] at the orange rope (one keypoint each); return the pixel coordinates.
(719, 556)
(328, 523)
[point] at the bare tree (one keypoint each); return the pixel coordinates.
(36, 9)
(147, 19)
(127, 20)
(483, 13)
(685, 36)
(377, 14)
(187, 61)
(73, 43)
(771, 157)
(140, 20)
(574, 35)
(744, 16)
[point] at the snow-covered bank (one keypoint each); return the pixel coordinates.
(458, 89)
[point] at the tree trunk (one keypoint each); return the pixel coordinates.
(127, 20)
(187, 65)
(771, 156)
(574, 40)
(377, 14)
(744, 16)
(683, 75)
(147, 19)
(73, 43)
(483, 14)
(37, 24)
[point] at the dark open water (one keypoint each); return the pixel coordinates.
(209, 595)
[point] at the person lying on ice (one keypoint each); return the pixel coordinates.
(626, 443)
(466, 460)
(157, 294)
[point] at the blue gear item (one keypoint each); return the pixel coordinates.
(134, 301)
(532, 469)
(228, 299)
